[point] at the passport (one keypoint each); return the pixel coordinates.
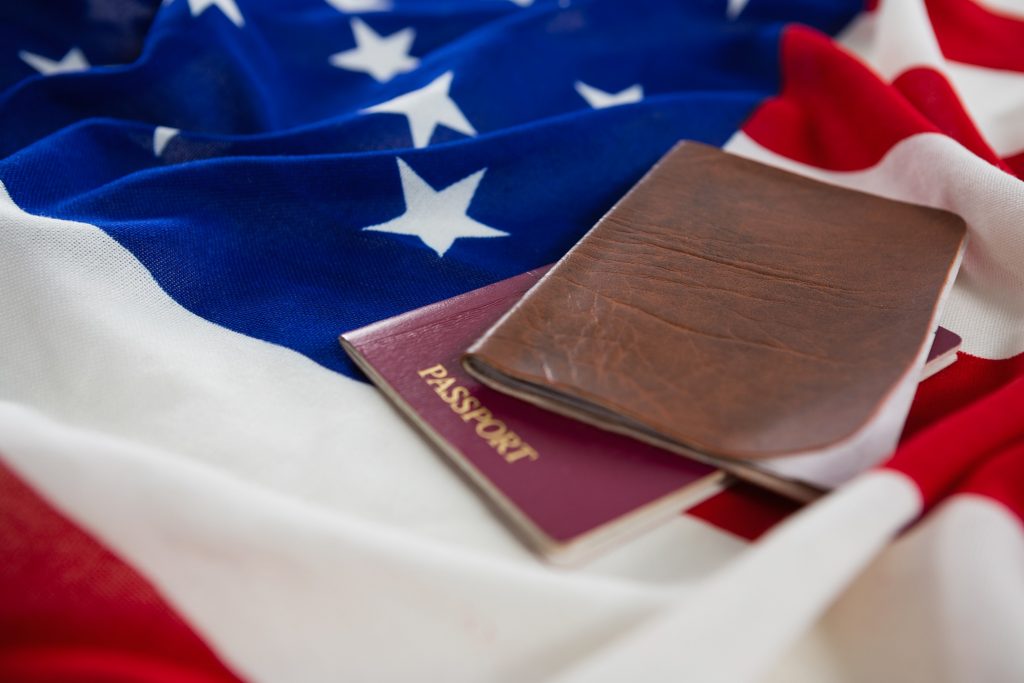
(942, 354)
(760, 320)
(569, 489)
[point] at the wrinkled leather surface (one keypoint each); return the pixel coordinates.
(732, 307)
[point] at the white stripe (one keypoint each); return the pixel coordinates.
(734, 626)
(283, 509)
(995, 100)
(285, 591)
(944, 603)
(985, 306)
(91, 339)
(895, 38)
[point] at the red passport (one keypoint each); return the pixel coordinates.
(942, 354)
(570, 489)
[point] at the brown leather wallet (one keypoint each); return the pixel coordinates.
(732, 308)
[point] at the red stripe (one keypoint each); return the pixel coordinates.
(931, 94)
(836, 114)
(90, 663)
(1016, 164)
(833, 112)
(997, 467)
(744, 510)
(1001, 478)
(972, 34)
(70, 610)
(966, 381)
(940, 456)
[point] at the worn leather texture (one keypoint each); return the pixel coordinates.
(730, 307)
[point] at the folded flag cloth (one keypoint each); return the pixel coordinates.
(198, 196)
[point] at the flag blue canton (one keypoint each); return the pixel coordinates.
(291, 170)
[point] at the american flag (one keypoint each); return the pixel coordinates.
(197, 196)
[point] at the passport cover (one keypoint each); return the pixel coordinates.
(570, 489)
(735, 311)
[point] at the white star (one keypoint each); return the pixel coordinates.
(228, 7)
(599, 99)
(735, 7)
(438, 218)
(359, 5)
(425, 109)
(161, 136)
(381, 57)
(73, 61)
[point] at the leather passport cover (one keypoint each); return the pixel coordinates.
(570, 489)
(732, 309)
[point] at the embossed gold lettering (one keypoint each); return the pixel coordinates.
(458, 393)
(503, 442)
(441, 385)
(469, 404)
(524, 452)
(495, 432)
(480, 415)
(436, 371)
(490, 429)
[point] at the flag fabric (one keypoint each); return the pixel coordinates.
(198, 196)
